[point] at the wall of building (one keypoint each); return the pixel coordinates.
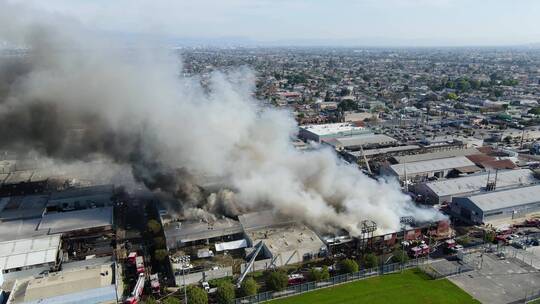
(466, 210)
(197, 277)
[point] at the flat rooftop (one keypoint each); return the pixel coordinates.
(83, 191)
(333, 128)
(60, 222)
(189, 231)
(28, 252)
(18, 207)
(92, 284)
(16, 177)
(361, 140)
(19, 229)
(370, 152)
(477, 182)
(432, 165)
(262, 219)
(287, 239)
(436, 155)
(506, 198)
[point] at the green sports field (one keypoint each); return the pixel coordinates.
(412, 286)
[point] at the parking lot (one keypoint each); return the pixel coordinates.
(499, 280)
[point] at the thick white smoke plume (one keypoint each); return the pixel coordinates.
(132, 106)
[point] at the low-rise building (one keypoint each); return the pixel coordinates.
(433, 168)
(91, 284)
(505, 204)
(325, 131)
(23, 254)
(441, 191)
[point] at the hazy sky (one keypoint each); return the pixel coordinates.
(359, 22)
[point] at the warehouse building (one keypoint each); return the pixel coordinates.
(433, 168)
(22, 182)
(91, 284)
(22, 207)
(185, 233)
(444, 153)
(81, 198)
(325, 131)
(77, 223)
(39, 252)
(284, 240)
(363, 141)
(438, 192)
(20, 229)
(497, 205)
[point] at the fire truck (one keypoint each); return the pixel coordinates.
(139, 264)
(132, 257)
(154, 283)
(419, 251)
(137, 292)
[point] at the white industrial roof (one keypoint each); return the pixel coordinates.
(506, 198)
(361, 140)
(333, 128)
(432, 165)
(231, 245)
(28, 252)
(76, 220)
(476, 182)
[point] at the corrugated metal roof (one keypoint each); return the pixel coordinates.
(472, 183)
(432, 165)
(76, 220)
(506, 198)
(435, 155)
(28, 252)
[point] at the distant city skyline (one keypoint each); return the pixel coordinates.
(310, 23)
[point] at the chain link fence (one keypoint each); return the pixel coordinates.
(335, 280)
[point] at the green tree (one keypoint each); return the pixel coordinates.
(277, 280)
(348, 105)
(160, 254)
(315, 274)
(159, 242)
(325, 274)
(535, 111)
(452, 96)
(348, 266)
(465, 240)
(173, 300)
(249, 287)
(154, 226)
(225, 293)
(489, 236)
(370, 260)
(149, 300)
(399, 256)
(196, 295)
